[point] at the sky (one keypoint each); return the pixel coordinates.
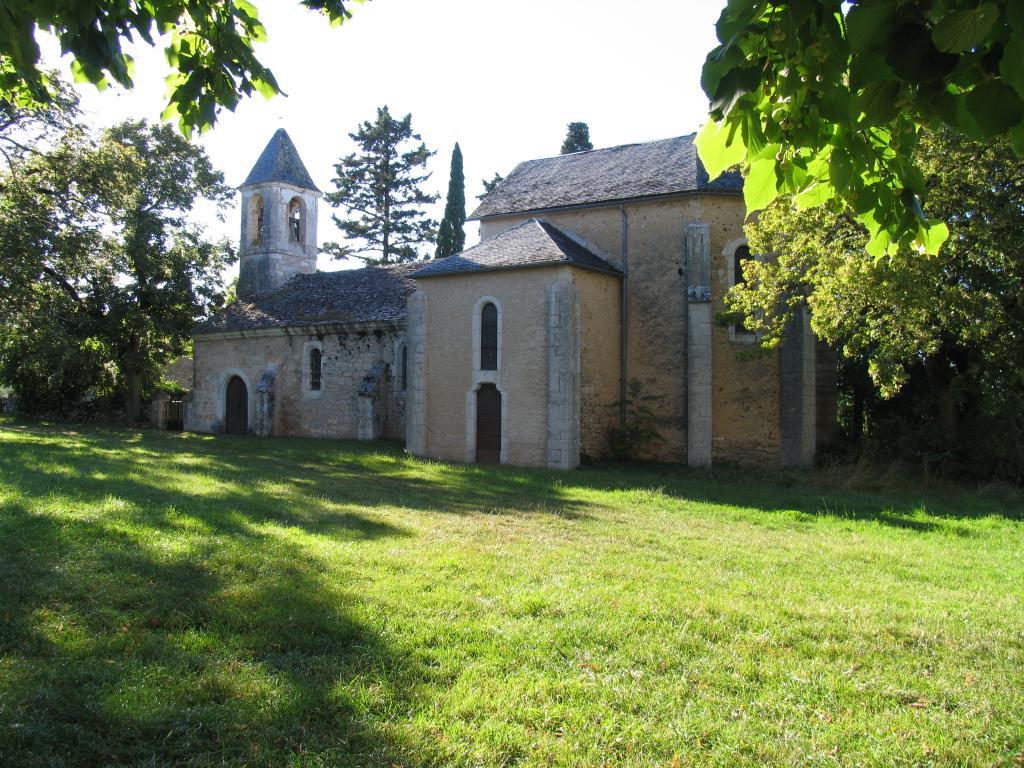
(502, 79)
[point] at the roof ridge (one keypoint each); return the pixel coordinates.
(583, 152)
(528, 244)
(575, 238)
(623, 172)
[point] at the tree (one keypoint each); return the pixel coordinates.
(577, 139)
(210, 49)
(451, 237)
(380, 187)
(23, 127)
(490, 185)
(941, 338)
(825, 99)
(98, 242)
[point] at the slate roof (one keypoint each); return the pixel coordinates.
(534, 243)
(280, 161)
(604, 175)
(348, 296)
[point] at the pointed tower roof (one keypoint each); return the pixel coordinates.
(280, 161)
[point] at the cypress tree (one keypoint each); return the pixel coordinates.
(451, 236)
(445, 240)
(577, 139)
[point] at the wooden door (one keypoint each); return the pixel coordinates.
(488, 425)
(236, 407)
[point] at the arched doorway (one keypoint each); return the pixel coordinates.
(236, 407)
(488, 425)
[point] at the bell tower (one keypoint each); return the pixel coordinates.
(278, 238)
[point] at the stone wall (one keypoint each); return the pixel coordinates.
(450, 367)
(647, 240)
(180, 372)
(348, 355)
(599, 358)
(266, 262)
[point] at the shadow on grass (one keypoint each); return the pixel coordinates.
(342, 482)
(120, 644)
(155, 609)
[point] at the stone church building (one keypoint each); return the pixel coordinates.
(593, 269)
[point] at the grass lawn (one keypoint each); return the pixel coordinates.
(176, 599)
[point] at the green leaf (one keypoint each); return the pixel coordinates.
(266, 89)
(914, 57)
(819, 192)
(877, 102)
(996, 107)
(867, 25)
(247, 7)
(840, 169)
(1015, 14)
(878, 245)
(735, 84)
(719, 146)
(961, 31)
(930, 237)
(760, 186)
(1011, 66)
(1017, 138)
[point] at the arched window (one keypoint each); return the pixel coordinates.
(315, 368)
(256, 222)
(489, 338)
(296, 220)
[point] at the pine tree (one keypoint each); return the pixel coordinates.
(490, 185)
(577, 139)
(379, 186)
(451, 237)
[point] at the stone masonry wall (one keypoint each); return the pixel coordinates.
(522, 376)
(745, 389)
(348, 355)
(268, 263)
(599, 358)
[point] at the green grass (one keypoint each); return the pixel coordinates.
(175, 599)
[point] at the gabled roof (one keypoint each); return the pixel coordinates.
(626, 172)
(280, 161)
(371, 294)
(534, 243)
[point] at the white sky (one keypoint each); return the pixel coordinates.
(502, 79)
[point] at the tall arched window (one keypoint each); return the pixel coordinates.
(256, 222)
(489, 338)
(315, 368)
(740, 255)
(296, 220)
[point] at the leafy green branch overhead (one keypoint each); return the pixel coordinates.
(210, 49)
(825, 100)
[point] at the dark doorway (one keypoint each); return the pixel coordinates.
(236, 407)
(488, 425)
(175, 415)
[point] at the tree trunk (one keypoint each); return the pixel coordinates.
(133, 395)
